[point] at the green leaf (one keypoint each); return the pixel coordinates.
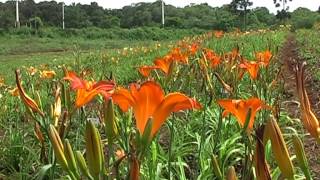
(43, 172)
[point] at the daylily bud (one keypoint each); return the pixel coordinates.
(93, 149)
(203, 64)
(171, 71)
(38, 133)
(51, 111)
(58, 147)
(226, 87)
(66, 99)
(38, 99)
(231, 174)
(70, 157)
(309, 119)
(63, 125)
(134, 168)
(82, 165)
(110, 121)
(30, 103)
(57, 107)
(272, 132)
(216, 167)
(301, 156)
(40, 137)
(260, 163)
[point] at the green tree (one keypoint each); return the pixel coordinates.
(36, 23)
(242, 6)
(76, 17)
(263, 15)
(28, 10)
(225, 18)
(303, 18)
(7, 15)
(284, 13)
(50, 13)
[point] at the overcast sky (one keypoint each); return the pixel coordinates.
(311, 4)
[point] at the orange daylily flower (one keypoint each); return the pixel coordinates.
(146, 70)
(29, 102)
(230, 58)
(309, 119)
(240, 108)
(47, 74)
(193, 49)
(218, 34)
(120, 153)
(212, 57)
(252, 68)
(32, 70)
(177, 55)
(14, 91)
(87, 90)
(264, 57)
(149, 101)
(164, 64)
(1, 81)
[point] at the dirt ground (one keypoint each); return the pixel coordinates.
(289, 57)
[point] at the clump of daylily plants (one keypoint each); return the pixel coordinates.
(132, 116)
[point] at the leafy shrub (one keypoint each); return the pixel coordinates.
(139, 33)
(303, 18)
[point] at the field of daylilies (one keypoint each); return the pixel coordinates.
(204, 107)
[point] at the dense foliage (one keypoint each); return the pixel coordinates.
(236, 14)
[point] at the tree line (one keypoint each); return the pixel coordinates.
(237, 14)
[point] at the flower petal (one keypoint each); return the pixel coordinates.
(123, 98)
(173, 102)
(146, 70)
(84, 97)
(76, 82)
(251, 67)
(147, 98)
(104, 88)
(164, 64)
(240, 109)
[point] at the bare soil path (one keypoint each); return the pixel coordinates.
(289, 57)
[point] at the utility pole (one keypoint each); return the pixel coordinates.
(162, 9)
(62, 15)
(17, 15)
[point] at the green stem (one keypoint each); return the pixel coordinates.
(203, 133)
(171, 126)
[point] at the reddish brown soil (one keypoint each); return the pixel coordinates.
(289, 57)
